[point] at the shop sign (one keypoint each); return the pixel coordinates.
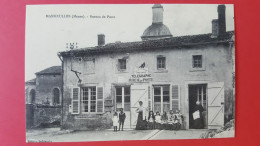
(141, 75)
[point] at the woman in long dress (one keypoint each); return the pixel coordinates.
(198, 121)
(141, 119)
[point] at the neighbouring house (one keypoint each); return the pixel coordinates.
(165, 72)
(43, 98)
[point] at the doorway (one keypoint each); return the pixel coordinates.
(197, 92)
(122, 100)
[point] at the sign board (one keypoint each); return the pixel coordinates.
(141, 75)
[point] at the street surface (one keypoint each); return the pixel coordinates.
(57, 135)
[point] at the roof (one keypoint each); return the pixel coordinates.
(170, 43)
(156, 30)
(31, 81)
(50, 70)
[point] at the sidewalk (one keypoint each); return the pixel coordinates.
(55, 135)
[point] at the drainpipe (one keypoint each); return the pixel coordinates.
(62, 83)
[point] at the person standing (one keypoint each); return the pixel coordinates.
(197, 116)
(115, 121)
(121, 119)
(141, 119)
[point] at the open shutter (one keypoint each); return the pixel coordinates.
(100, 100)
(175, 98)
(75, 100)
(215, 105)
(149, 99)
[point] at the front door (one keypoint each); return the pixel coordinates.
(123, 101)
(138, 93)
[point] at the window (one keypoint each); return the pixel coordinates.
(122, 64)
(88, 99)
(123, 98)
(197, 61)
(161, 98)
(161, 62)
(56, 96)
(32, 96)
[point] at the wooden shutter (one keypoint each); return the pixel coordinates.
(215, 105)
(149, 99)
(100, 100)
(75, 100)
(175, 98)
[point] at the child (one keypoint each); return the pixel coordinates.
(115, 121)
(171, 117)
(151, 119)
(179, 118)
(158, 120)
(164, 121)
(121, 118)
(164, 118)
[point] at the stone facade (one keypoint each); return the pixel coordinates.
(30, 89)
(45, 86)
(166, 74)
(43, 98)
(218, 67)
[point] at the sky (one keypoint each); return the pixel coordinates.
(46, 36)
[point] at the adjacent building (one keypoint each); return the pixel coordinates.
(163, 71)
(43, 97)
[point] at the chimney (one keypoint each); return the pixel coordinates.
(222, 19)
(101, 39)
(215, 28)
(157, 13)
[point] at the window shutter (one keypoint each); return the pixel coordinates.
(149, 98)
(175, 97)
(100, 100)
(75, 100)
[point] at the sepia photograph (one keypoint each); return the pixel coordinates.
(113, 72)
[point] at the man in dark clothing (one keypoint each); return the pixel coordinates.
(121, 119)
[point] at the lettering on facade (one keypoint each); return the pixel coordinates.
(141, 75)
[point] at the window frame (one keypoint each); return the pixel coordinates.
(162, 95)
(123, 97)
(203, 62)
(120, 64)
(89, 95)
(162, 64)
(197, 62)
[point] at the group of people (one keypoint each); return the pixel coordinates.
(118, 120)
(169, 121)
